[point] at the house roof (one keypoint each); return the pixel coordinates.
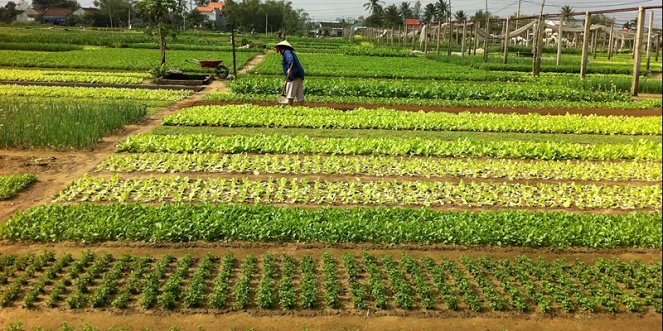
(412, 22)
(210, 7)
(91, 10)
(331, 25)
(57, 12)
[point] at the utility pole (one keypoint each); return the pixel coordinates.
(451, 26)
(266, 23)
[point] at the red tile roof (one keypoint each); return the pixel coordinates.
(210, 7)
(412, 22)
(57, 12)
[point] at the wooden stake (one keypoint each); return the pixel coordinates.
(610, 41)
(506, 41)
(462, 42)
(451, 27)
(595, 36)
(485, 41)
(476, 36)
(439, 32)
(658, 46)
(637, 52)
(559, 40)
(585, 44)
(649, 35)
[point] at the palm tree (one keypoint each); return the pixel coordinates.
(430, 12)
(391, 16)
(566, 14)
(404, 10)
(460, 16)
(373, 6)
(442, 9)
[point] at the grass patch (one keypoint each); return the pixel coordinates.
(63, 125)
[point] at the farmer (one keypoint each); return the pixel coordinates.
(293, 71)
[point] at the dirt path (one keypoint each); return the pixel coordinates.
(56, 169)
(362, 320)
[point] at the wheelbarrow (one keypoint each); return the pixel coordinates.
(220, 70)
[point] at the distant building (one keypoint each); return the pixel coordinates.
(56, 15)
(412, 22)
(213, 11)
(28, 15)
(331, 29)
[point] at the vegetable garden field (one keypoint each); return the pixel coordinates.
(408, 191)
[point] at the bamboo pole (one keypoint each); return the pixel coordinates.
(476, 36)
(610, 41)
(637, 52)
(451, 27)
(405, 37)
(439, 33)
(559, 40)
(506, 41)
(595, 36)
(658, 46)
(485, 41)
(585, 44)
(462, 43)
(649, 34)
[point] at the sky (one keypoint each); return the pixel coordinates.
(329, 10)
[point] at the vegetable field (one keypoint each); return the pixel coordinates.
(409, 191)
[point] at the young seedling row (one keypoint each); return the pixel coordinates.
(346, 283)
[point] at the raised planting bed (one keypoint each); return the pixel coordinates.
(176, 78)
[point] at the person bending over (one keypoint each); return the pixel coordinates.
(293, 71)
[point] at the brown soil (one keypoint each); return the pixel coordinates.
(361, 320)
(242, 249)
(348, 106)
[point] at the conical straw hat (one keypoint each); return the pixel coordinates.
(285, 43)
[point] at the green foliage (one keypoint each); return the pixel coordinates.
(55, 92)
(517, 284)
(182, 223)
(95, 58)
(642, 150)
(380, 166)
(388, 119)
(42, 75)
(12, 184)
(63, 125)
(374, 88)
(390, 101)
(358, 192)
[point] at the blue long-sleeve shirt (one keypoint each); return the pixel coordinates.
(289, 58)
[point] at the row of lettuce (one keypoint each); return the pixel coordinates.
(269, 282)
(254, 223)
(12, 184)
(387, 119)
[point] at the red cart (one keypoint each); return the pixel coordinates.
(220, 70)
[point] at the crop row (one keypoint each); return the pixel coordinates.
(12, 184)
(380, 166)
(642, 150)
(470, 284)
(27, 124)
(72, 76)
(187, 222)
(92, 92)
(115, 59)
(384, 101)
(328, 118)
(357, 192)
(447, 90)
(390, 67)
